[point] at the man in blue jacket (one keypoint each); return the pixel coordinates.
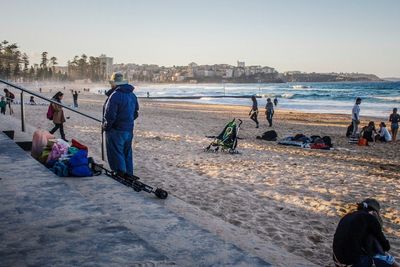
(121, 109)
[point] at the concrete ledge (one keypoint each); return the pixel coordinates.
(47, 221)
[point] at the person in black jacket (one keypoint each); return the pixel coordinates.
(359, 240)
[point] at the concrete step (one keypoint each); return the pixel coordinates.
(46, 221)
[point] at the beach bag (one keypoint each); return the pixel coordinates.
(44, 155)
(39, 142)
(50, 112)
(349, 130)
(353, 139)
(327, 141)
(58, 150)
(60, 169)
(269, 136)
(362, 142)
(315, 138)
(319, 146)
(79, 164)
(78, 145)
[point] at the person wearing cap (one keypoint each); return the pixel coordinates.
(359, 240)
(355, 115)
(120, 111)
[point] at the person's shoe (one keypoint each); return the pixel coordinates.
(65, 140)
(257, 126)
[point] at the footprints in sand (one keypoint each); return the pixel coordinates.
(291, 197)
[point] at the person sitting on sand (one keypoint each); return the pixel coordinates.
(254, 110)
(359, 240)
(32, 101)
(394, 119)
(383, 133)
(369, 132)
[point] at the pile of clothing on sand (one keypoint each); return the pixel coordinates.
(300, 140)
(59, 156)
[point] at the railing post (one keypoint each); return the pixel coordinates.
(22, 112)
(102, 145)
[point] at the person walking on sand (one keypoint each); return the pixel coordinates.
(394, 119)
(275, 101)
(254, 110)
(359, 240)
(58, 115)
(269, 111)
(75, 97)
(355, 115)
(120, 111)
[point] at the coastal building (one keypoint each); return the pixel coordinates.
(240, 64)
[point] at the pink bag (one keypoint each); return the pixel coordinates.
(39, 142)
(57, 151)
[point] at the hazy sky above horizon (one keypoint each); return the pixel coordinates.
(306, 35)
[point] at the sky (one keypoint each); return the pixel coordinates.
(306, 35)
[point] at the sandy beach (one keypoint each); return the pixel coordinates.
(290, 196)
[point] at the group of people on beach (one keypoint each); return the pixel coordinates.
(269, 110)
(5, 101)
(369, 132)
(358, 241)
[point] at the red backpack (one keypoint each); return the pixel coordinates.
(50, 112)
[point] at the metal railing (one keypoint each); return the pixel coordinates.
(24, 90)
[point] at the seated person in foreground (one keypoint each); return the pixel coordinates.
(369, 132)
(32, 101)
(359, 240)
(383, 134)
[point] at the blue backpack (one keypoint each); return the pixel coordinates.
(79, 164)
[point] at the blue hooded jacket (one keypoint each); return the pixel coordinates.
(121, 109)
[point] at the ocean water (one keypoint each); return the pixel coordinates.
(379, 98)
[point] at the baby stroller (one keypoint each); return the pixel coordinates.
(227, 139)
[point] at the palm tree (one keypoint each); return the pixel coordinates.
(25, 61)
(43, 63)
(53, 61)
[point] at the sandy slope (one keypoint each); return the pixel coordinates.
(293, 197)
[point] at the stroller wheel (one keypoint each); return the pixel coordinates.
(233, 151)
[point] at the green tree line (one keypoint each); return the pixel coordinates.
(85, 67)
(15, 66)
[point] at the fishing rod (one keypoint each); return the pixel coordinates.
(130, 181)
